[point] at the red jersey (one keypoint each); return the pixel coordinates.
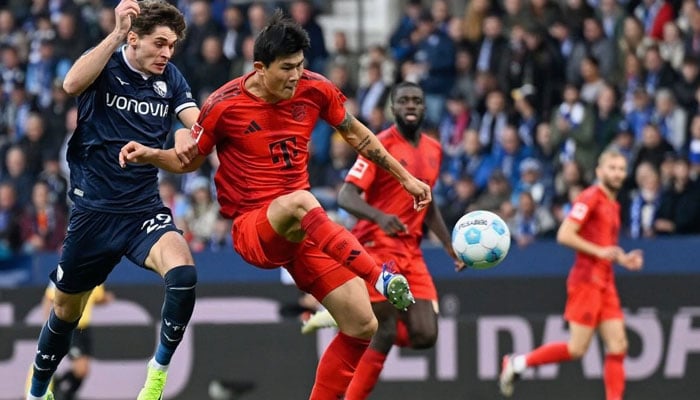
(263, 147)
(599, 219)
(384, 192)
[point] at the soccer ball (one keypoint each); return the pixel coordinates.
(481, 239)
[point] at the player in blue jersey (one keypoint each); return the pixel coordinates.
(127, 90)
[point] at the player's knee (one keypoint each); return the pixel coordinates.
(617, 345)
(184, 276)
(363, 328)
(576, 351)
(67, 312)
(299, 202)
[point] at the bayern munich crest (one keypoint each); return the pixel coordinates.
(161, 88)
(298, 112)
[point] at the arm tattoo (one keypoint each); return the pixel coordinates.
(363, 143)
(345, 125)
(378, 158)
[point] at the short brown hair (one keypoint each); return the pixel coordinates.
(155, 13)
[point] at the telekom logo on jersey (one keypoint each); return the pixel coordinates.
(139, 107)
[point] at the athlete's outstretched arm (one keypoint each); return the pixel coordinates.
(568, 236)
(367, 144)
(435, 222)
(88, 67)
(350, 198)
(136, 153)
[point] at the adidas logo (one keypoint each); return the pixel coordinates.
(252, 127)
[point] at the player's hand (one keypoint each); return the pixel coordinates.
(633, 261)
(610, 253)
(123, 13)
(135, 153)
(391, 224)
(459, 264)
(185, 146)
(422, 196)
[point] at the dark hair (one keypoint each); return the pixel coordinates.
(401, 85)
(281, 37)
(155, 13)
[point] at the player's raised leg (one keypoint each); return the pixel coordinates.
(615, 339)
(171, 258)
(54, 340)
(349, 304)
(299, 213)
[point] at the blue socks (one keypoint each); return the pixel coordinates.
(177, 309)
(54, 342)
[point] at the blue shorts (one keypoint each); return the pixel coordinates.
(97, 241)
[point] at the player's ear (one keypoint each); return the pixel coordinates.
(132, 38)
(259, 67)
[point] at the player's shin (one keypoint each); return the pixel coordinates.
(53, 345)
(337, 366)
(366, 375)
(177, 309)
(614, 376)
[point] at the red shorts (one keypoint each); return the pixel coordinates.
(409, 261)
(258, 244)
(589, 304)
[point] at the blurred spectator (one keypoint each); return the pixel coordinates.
(658, 73)
(491, 50)
(542, 13)
(607, 118)
(56, 181)
(234, 32)
(493, 121)
(594, 44)
(377, 54)
(176, 201)
(692, 37)
(17, 175)
(530, 221)
(328, 180)
(563, 203)
(591, 80)
(374, 94)
(244, 64)
(497, 192)
(440, 10)
(571, 174)
(43, 223)
(458, 200)
(465, 78)
(623, 142)
(532, 181)
(35, 144)
(543, 69)
(12, 72)
(654, 14)
(257, 18)
(633, 41)
(514, 14)
(400, 41)
(200, 26)
(15, 113)
(302, 11)
(611, 16)
(671, 119)
(454, 124)
(105, 22)
(221, 235)
(575, 12)
(640, 206)
(641, 113)
(684, 16)
(10, 216)
(339, 75)
(572, 125)
(10, 34)
(679, 209)
(527, 118)
(201, 214)
(342, 56)
(473, 162)
(687, 84)
(71, 41)
(630, 82)
(546, 151)
(214, 69)
(42, 73)
(653, 147)
(509, 154)
(474, 15)
(672, 49)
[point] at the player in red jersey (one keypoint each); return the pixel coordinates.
(261, 125)
(591, 228)
(390, 229)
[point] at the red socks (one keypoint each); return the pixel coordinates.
(547, 354)
(614, 376)
(339, 244)
(366, 375)
(337, 366)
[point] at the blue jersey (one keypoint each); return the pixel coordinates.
(122, 105)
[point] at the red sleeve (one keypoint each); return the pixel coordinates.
(362, 173)
(204, 130)
(333, 108)
(581, 209)
(665, 14)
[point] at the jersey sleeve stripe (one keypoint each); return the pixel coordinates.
(184, 106)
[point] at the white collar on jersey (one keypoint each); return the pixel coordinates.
(144, 76)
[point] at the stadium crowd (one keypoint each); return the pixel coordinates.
(523, 95)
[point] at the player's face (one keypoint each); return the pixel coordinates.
(408, 107)
(153, 51)
(281, 77)
(612, 172)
